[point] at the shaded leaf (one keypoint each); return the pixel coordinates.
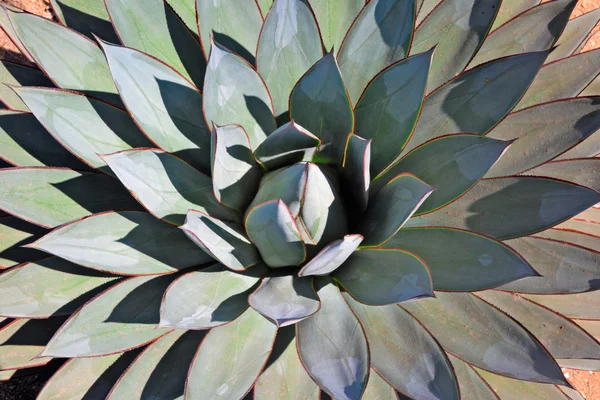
(332, 346)
(404, 353)
(204, 299)
(462, 260)
(521, 389)
(575, 34)
(86, 16)
(583, 171)
(15, 74)
(14, 234)
(385, 276)
(588, 148)
(332, 256)
(378, 389)
(356, 170)
(471, 384)
(186, 10)
(510, 9)
(235, 354)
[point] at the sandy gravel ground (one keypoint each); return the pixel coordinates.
(587, 382)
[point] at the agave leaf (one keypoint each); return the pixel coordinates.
(264, 6)
(70, 59)
(9, 30)
(234, 93)
(84, 126)
(235, 354)
(511, 207)
(163, 103)
(510, 9)
(575, 34)
(121, 318)
(555, 127)
(49, 287)
(477, 333)
(86, 16)
(462, 260)
(454, 21)
(562, 79)
(235, 173)
(289, 144)
(385, 276)
(335, 18)
(425, 9)
(161, 369)
(223, 241)
(583, 171)
(332, 346)
(320, 103)
(390, 208)
(287, 184)
(166, 185)
(388, 110)
(572, 237)
(284, 377)
(272, 228)
(152, 27)
(520, 389)
(15, 233)
(565, 268)
(587, 222)
(25, 143)
(562, 337)
(204, 299)
(471, 384)
(451, 164)
(285, 300)
(186, 10)
(15, 74)
(404, 353)
(356, 170)
(231, 24)
(125, 243)
(331, 257)
(537, 29)
(588, 148)
(95, 377)
(22, 340)
(378, 389)
(289, 45)
(580, 305)
(61, 195)
(381, 33)
(475, 101)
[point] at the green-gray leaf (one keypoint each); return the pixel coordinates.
(511, 207)
(471, 384)
(335, 18)
(382, 34)
(83, 125)
(580, 305)
(521, 389)
(385, 276)
(207, 298)
(49, 287)
(462, 260)
(332, 256)
(378, 389)
(289, 45)
(125, 243)
(86, 16)
(320, 103)
(14, 234)
(589, 148)
(186, 10)
(455, 21)
(231, 23)
(475, 101)
(22, 340)
(235, 173)
(388, 110)
(121, 318)
(285, 300)
(165, 185)
(15, 74)
(54, 196)
(70, 59)
(587, 222)
(572, 237)
(485, 337)
(564, 268)
(272, 228)
(153, 27)
(391, 207)
(510, 9)
(451, 164)
(163, 103)
(404, 353)
(356, 170)
(234, 93)
(574, 36)
(289, 144)
(235, 354)
(224, 241)
(537, 29)
(582, 171)
(333, 347)
(555, 127)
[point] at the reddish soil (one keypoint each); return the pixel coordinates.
(586, 382)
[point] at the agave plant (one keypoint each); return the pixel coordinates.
(296, 199)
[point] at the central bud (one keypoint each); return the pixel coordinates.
(297, 204)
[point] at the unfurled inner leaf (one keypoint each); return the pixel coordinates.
(356, 170)
(332, 256)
